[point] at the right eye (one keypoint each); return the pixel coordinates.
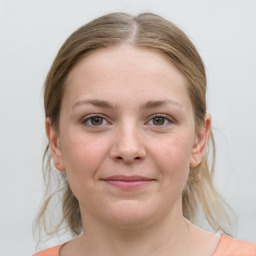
(95, 120)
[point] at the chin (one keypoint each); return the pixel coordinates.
(130, 214)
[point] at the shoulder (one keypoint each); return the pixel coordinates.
(53, 251)
(232, 247)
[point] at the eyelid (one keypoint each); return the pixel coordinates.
(106, 119)
(167, 117)
(90, 116)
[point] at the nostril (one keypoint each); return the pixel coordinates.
(128, 159)
(126, 152)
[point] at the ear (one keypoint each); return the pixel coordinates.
(200, 143)
(54, 145)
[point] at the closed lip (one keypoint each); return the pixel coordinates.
(125, 178)
(128, 183)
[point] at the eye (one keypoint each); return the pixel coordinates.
(159, 120)
(94, 120)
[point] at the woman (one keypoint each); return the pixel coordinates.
(128, 130)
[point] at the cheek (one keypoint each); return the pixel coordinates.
(173, 159)
(176, 150)
(82, 160)
(83, 157)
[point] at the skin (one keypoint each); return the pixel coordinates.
(126, 111)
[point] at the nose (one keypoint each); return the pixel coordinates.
(128, 145)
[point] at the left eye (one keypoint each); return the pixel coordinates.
(159, 120)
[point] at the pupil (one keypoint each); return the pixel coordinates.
(97, 120)
(158, 120)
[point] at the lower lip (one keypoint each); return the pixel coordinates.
(128, 185)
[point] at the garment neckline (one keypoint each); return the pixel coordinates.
(217, 249)
(220, 245)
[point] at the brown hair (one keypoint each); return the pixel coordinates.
(149, 31)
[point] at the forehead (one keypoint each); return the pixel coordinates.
(126, 58)
(126, 71)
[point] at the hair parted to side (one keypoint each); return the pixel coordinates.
(149, 31)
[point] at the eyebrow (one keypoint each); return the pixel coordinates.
(146, 105)
(159, 103)
(94, 102)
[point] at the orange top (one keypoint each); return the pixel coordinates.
(231, 247)
(226, 247)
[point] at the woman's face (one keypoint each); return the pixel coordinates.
(126, 136)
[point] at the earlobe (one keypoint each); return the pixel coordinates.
(200, 143)
(54, 145)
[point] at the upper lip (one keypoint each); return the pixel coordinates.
(127, 178)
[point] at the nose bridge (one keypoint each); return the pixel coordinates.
(128, 136)
(128, 142)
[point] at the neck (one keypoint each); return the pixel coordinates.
(169, 237)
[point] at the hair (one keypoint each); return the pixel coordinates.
(148, 31)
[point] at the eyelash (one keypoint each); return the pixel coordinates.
(165, 117)
(89, 118)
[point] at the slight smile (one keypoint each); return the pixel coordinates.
(128, 182)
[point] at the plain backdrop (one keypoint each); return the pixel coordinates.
(31, 32)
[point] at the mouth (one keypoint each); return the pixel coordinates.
(128, 182)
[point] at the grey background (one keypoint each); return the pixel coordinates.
(31, 32)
